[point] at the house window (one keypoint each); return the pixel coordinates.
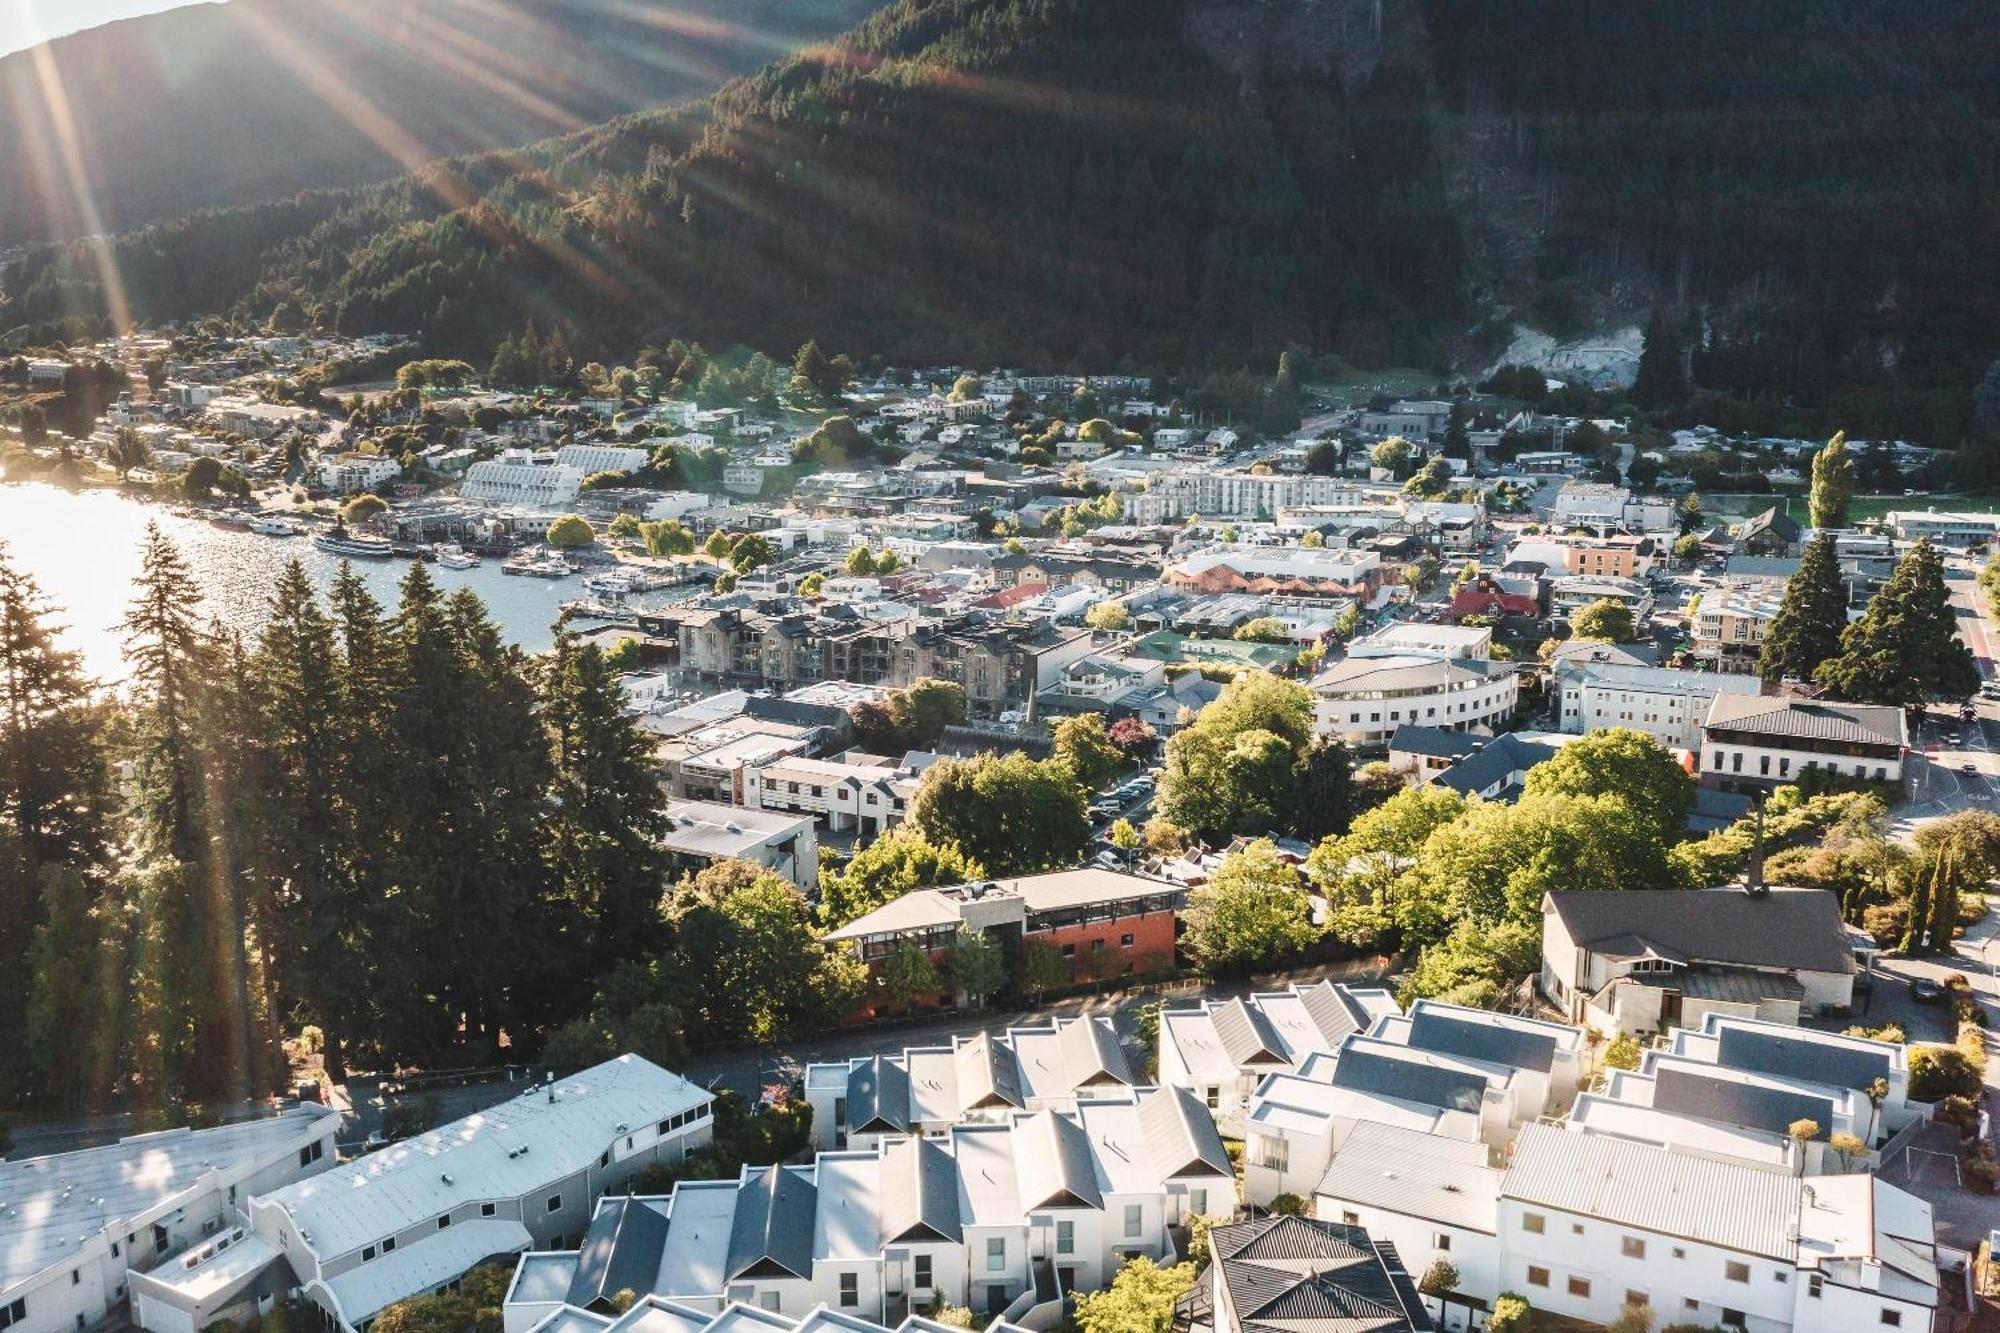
(1351, 1219)
(996, 1254)
(487, 1209)
(1813, 1285)
(1892, 1318)
(1069, 951)
(922, 1278)
(1642, 1299)
(1273, 1153)
(389, 1245)
(367, 1253)
(1632, 1247)
(1212, 1095)
(1441, 1242)
(768, 1300)
(1065, 1238)
(1580, 1287)
(1533, 1223)
(1135, 1218)
(554, 1204)
(604, 1158)
(1732, 1319)
(850, 1289)
(444, 1220)
(1198, 1200)
(13, 1314)
(1537, 1277)
(1736, 1272)
(76, 1277)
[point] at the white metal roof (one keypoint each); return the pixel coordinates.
(424, 1264)
(1416, 1174)
(697, 1251)
(510, 1151)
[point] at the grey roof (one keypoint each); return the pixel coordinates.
(878, 1096)
(1728, 1102)
(1436, 1030)
(1057, 1167)
(1433, 741)
(1091, 1054)
(1788, 928)
(1333, 1010)
(621, 1251)
(1303, 1275)
(919, 1192)
(1619, 1181)
(1247, 1034)
(1181, 1136)
(1837, 1063)
(987, 1075)
(1502, 756)
(1417, 1174)
(1807, 719)
(1411, 1080)
(772, 1233)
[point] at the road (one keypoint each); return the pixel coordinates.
(1959, 768)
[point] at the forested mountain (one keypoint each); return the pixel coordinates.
(224, 104)
(1805, 187)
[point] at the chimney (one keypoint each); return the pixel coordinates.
(1754, 880)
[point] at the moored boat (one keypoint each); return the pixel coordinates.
(339, 541)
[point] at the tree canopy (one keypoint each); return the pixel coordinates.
(1905, 648)
(1806, 631)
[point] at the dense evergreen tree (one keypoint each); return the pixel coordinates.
(1806, 631)
(1661, 379)
(1905, 648)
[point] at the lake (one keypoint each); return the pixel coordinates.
(83, 549)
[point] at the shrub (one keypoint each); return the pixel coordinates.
(1441, 1277)
(1288, 1205)
(1977, 1171)
(1511, 1314)
(1962, 1112)
(1937, 1072)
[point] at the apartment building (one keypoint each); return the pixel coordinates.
(866, 793)
(593, 458)
(1235, 495)
(983, 1077)
(1620, 556)
(1220, 1050)
(553, 1293)
(80, 1231)
(524, 478)
(1667, 704)
(1008, 1218)
(345, 474)
(700, 833)
(1750, 743)
(526, 1174)
(1730, 624)
(1363, 700)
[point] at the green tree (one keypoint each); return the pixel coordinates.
(1628, 764)
(747, 958)
(1235, 769)
(1430, 481)
(1281, 408)
(1905, 648)
(570, 532)
(1457, 440)
(1806, 631)
(1832, 484)
(1661, 380)
(1139, 1300)
(908, 975)
(1108, 615)
(860, 562)
(1264, 629)
(1252, 912)
(362, 508)
(899, 862)
(1393, 455)
(1011, 814)
(1080, 741)
(470, 1305)
(128, 450)
(667, 537)
(977, 965)
(624, 528)
(1124, 837)
(922, 712)
(1043, 969)
(1607, 620)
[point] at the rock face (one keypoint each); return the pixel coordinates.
(1351, 37)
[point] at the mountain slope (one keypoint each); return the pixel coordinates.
(225, 104)
(1811, 182)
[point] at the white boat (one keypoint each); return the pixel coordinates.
(275, 527)
(457, 557)
(538, 566)
(612, 585)
(339, 541)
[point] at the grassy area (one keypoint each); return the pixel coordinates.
(1358, 386)
(1973, 502)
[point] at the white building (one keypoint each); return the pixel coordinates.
(348, 473)
(79, 1229)
(522, 477)
(526, 1174)
(1943, 529)
(1221, 1050)
(983, 1077)
(867, 793)
(1667, 704)
(537, 1304)
(1750, 743)
(704, 832)
(1234, 495)
(1458, 643)
(1006, 1218)
(1607, 508)
(1362, 700)
(589, 458)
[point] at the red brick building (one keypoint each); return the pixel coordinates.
(1101, 923)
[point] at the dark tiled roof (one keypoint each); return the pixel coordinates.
(621, 1252)
(1802, 719)
(1502, 756)
(919, 1193)
(1791, 1057)
(878, 1096)
(1725, 1101)
(1788, 928)
(1436, 1030)
(1435, 741)
(1302, 1275)
(772, 1233)
(1410, 1080)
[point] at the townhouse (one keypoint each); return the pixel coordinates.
(1222, 1049)
(982, 1077)
(700, 833)
(552, 1294)
(1008, 1218)
(81, 1232)
(524, 1175)
(865, 793)
(1305, 1275)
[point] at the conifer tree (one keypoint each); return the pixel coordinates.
(1905, 648)
(1806, 631)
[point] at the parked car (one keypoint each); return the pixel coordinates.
(1924, 990)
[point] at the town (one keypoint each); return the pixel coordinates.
(1247, 855)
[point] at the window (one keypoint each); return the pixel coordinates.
(1679, 1252)
(1198, 1200)
(1069, 951)
(1351, 1219)
(1065, 1238)
(1125, 941)
(1779, 1277)
(922, 1278)
(1641, 1298)
(1533, 1223)
(487, 1209)
(1736, 1272)
(367, 1253)
(1273, 1153)
(1732, 1318)
(1441, 1242)
(1537, 1277)
(1135, 1218)
(1892, 1318)
(444, 1220)
(1580, 1287)
(1813, 1285)
(769, 1300)
(13, 1314)
(76, 1277)
(312, 1152)
(554, 1204)
(996, 1254)
(850, 1289)
(604, 1158)
(1212, 1095)
(389, 1245)
(1632, 1247)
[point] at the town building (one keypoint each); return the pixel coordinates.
(1957, 530)
(1303, 1275)
(863, 793)
(344, 474)
(80, 1231)
(984, 1077)
(1667, 704)
(1362, 700)
(1651, 960)
(593, 458)
(523, 477)
(1220, 1050)
(1730, 624)
(1752, 743)
(704, 832)
(1289, 571)
(524, 1175)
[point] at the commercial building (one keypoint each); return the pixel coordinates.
(1362, 700)
(525, 1174)
(1730, 624)
(1667, 704)
(1943, 529)
(79, 1230)
(1751, 743)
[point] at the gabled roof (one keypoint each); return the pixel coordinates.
(1433, 1028)
(1336, 1010)
(1055, 1162)
(986, 1074)
(1433, 741)
(1730, 1101)
(1181, 1136)
(1411, 1080)
(1091, 1054)
(1783, 928)
(1845, 1062)
(1248, 1035)
(919, 1192)
(621, 1251)
(772, 1232)
(878, 1097)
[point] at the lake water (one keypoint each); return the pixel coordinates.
(83, 549)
